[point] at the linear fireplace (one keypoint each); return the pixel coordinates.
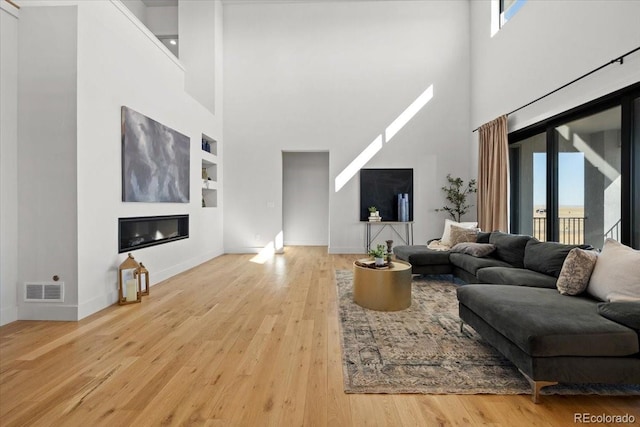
(141, 232)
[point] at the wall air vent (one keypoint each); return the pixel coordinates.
(44, 292)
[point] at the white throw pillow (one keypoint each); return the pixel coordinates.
(446, 235)
(616, 275)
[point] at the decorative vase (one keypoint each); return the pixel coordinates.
(379, 262)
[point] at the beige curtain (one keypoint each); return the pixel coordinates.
(493, 181)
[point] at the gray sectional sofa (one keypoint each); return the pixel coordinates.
(517, 260)
(514, 304)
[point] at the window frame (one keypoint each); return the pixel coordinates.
(630, 169)
(507, 13)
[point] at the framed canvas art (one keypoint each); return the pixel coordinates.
(381, 187)
(155, 161)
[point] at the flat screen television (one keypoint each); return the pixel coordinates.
(380, 188)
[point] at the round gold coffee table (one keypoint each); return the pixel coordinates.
(382, 290)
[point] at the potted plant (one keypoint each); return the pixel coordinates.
(378, 254)
(456, 194)
(374, 215)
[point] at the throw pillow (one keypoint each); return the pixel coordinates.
(576, 271)
(477, 250)
(624, 312)
(616, 276)
(446, 235)
(460, 235)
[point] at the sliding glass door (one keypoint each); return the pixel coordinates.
(634, 172)
(589, 178)
(528, 159)
(575, 178)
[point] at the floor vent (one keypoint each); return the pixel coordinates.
(44, 292)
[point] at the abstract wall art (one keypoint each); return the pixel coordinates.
(155, 161)
(382, 188)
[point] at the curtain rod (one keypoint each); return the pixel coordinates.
(619, 59)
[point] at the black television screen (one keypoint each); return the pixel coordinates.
(380, 188)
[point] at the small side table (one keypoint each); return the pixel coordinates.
(406, 238)
(382, 290)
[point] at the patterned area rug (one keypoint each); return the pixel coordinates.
(422, 350)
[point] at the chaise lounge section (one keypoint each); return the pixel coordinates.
(512, 300)
(551, 337)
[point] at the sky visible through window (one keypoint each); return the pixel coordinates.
(570, 177)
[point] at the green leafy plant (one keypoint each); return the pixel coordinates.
(372, 209)
(456, 194)
(379, 252)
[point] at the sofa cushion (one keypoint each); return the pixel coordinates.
(543, 323)
(616, 276)
(515, 276)
(510, 248)
(483, 237)
(576, 271)
(421, 255)
(474, 249)
(471, 264)
(624, 312)
(547, 257)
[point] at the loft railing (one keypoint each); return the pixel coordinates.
(570, 229)
(614, 231)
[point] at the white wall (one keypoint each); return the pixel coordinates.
(331, 77)
(305, 186)
(152, 84)
(198, 30)
(47, 174)
(9, 17)
(545, 45)
(162, 20)
(118, 63)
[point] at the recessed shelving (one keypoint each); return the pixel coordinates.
(209, 145)
(209, 172)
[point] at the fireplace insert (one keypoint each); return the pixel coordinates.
(144, 231)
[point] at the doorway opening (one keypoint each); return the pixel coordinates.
(305, 198)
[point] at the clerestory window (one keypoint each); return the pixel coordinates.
(502, 11)
(508, 8)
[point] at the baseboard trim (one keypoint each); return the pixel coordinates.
(101, 302)
(8, 315)
(35, 311)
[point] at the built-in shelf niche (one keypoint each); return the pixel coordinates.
(209, 145)
(209, 198)
(209, 172)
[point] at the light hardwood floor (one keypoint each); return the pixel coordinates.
(231, 342)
